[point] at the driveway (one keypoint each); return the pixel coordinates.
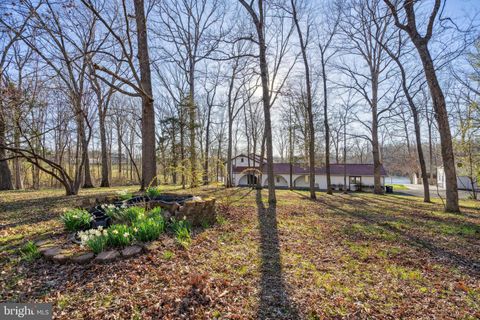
(417, 190)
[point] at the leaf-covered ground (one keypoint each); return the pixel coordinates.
(356, 256)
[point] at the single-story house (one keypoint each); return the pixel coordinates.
(463, 182)
(246, 172)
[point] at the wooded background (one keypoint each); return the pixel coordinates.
(97, 92)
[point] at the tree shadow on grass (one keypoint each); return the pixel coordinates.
(28, 211)
(368, 212)
(274, 300)
(438, 251)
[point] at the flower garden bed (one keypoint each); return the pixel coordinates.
(127, 226)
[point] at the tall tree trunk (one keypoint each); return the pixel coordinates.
(191, 128)
(229, 154)
(207, 147)
(327, 129)
(430, 146)
(182, 147)
(149, 165)
(262, 159)
(311, 127)
(103, 145)
(35, 178)
(174, 154)
(119, 148)
(131, 157)
(16, 162)
(109, 151)
(438, 99)
(87, 183)
(231, 107)
(291, 150)
(345, 187)
(266, 107)
(421, 158)
(441, 116)
(219, 152)
(81, 147)
(35, 169)
(5, 174)
(416, 123)
(375, 145)
(259, 21)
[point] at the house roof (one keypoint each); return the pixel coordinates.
(352, 169)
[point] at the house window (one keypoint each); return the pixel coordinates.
(355, 180)
(278, 179)
(241, 159)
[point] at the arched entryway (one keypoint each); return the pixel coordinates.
(280, 181)
(301, 182)
(248, 179)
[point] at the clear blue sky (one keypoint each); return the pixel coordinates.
(457, 9)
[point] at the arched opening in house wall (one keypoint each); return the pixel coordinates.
(301, 181)
(248, 180)
(280, 181)
(250, 177)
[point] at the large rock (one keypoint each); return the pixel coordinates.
(131, 251)
(83, 258)
(61, 258)
(151, 246)
(46, 247)
(107, 256)
(51, 252)
(44, 242)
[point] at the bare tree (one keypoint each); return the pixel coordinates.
(33, 129)
(365, 22)
(238, 79)
(409, 96)
(327, 52)
(271, 87)
(438, 99)
(141, 84)
(5, 173)
(308, 85)
(68, 39)
(258, 19)
(9, 38)
(189, 27)
(104, 96)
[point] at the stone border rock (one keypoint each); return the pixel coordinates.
(62, 256)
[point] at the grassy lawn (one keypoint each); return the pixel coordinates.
(343, 256)
(397, 187)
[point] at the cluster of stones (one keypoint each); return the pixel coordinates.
(56, 253)
(197, 211)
